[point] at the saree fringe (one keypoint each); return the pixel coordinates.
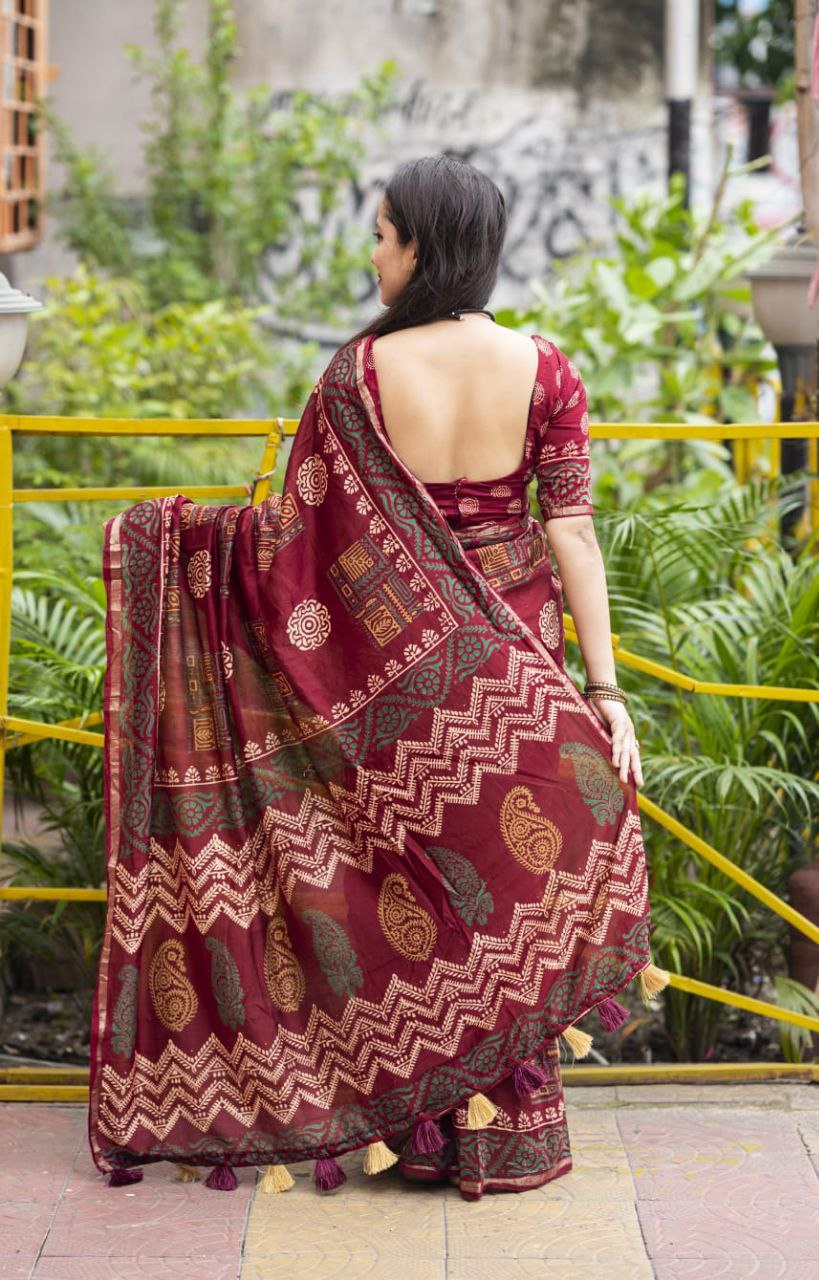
(328, 1174)
(579, 1042)
(277, 1178)
(652, 982)
(378, 1157)
(480, 1111)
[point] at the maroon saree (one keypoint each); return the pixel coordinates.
(366, 853)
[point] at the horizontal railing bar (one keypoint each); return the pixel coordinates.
(62, 731)
(61, 426)
(43, 1092)
(38, 893)
(55, 425)
(78, 722)
(137, 493)
(705, 431)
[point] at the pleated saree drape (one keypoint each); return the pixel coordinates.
(366, 853)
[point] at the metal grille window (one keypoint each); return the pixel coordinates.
(22, 148)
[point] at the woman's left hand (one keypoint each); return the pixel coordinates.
(625, 749)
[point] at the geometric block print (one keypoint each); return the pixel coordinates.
(207, 725)
(374, 592)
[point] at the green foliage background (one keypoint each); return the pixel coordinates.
(169, 315)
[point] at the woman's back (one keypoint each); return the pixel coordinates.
(456, 397)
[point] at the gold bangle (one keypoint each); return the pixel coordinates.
(602, 689)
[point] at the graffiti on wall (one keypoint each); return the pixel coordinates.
(557, 182)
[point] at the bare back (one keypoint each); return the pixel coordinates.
(455, 397)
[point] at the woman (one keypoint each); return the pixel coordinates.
(370, 851)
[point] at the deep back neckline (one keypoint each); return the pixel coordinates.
(461, 482)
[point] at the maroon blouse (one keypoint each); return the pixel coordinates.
(556, 451)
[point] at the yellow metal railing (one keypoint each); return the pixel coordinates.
(70, 1083)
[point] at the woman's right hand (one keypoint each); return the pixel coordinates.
(625, 749)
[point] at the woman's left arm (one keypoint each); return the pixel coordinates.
(583, 574)
(563, 470)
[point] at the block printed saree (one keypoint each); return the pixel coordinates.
(366, 853)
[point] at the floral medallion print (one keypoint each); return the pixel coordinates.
(309, 624)
(199, 573)
(311, 480)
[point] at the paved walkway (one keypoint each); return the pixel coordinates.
(716, 1182)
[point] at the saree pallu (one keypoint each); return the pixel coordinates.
(366, 853)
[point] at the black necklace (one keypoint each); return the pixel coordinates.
(456, 315)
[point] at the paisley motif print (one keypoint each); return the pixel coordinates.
(465, 889)
(283, 975)
(337, 960)
(406, 926)
(226, 985)
(172, 992)
(596, 781)
(532, 838)
(549, 623)
(123, 1023)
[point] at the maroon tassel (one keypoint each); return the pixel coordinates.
(221, 1178)
(124, 1177)
(612, 1014)
(426, 1136)
(526, 1078)
(328, 1174)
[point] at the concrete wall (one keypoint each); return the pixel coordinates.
(560, 101)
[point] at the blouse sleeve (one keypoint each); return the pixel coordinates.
(562, 465)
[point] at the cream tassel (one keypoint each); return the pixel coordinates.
(580, 1042)
(480, 1111)
(378, 1157)
(652, 982)
(187, 1173)
(276, 1178)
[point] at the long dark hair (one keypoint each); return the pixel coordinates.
(457, 218)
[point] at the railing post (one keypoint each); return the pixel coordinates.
(6, 554)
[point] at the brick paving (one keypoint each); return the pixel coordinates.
(670, 1182)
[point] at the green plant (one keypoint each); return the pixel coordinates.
(57, 672)
(760, 46)
(661, 326)
(703, 589)
(796, 1041)
(227, 178)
